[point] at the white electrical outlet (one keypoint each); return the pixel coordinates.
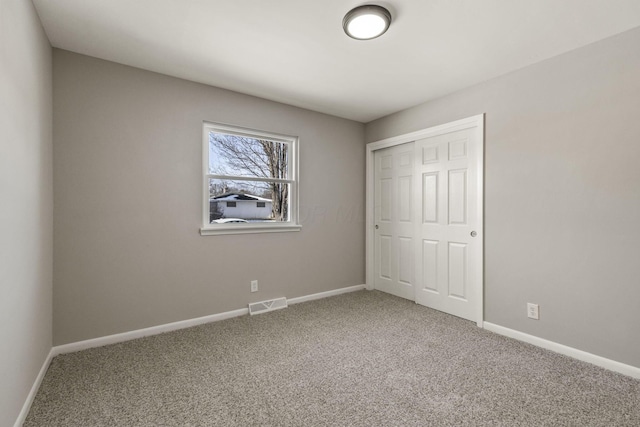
(254, 286)
(533, 311)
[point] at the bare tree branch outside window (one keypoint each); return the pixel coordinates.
(239, 156)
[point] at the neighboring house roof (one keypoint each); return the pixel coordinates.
(233, 197)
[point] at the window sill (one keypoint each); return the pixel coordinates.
(248, 229)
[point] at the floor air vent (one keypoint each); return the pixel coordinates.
(270, 305)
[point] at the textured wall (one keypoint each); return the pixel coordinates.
(128, 159)
(25, 203)
(562, 193)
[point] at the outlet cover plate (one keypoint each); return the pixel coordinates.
(533, 311)
(254, 286)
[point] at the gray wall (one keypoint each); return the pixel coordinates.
(127, 160)
(25, 203)
(562, 193)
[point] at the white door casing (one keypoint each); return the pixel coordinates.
(447, 208)
(394, 218)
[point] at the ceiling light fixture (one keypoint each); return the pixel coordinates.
(366, 22)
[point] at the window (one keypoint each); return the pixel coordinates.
(255, 174)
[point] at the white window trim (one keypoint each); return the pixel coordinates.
(239, 228)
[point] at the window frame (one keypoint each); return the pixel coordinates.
(293, 224)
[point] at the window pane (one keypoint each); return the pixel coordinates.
(244, 156)
(247, 201)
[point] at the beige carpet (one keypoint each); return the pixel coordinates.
(360, 359)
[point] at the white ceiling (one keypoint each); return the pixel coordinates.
(294, 51)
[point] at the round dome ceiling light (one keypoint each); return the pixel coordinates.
(366, 22)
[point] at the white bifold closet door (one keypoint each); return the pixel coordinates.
(426, 216)
(394, 219)
(447, 245)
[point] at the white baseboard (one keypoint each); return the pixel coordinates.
(168, 327)
(34, 390)
(140, 333)
(326, 294)
(603, 362)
